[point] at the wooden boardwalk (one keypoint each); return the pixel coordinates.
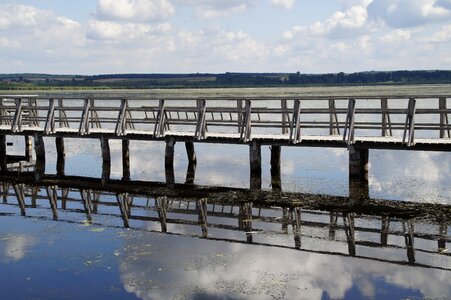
(356, 123)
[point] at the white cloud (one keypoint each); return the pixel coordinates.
(398, 35)
(409, 13)
(286, 4)
(444, 35)
(105, 30)
(208, 9)
(135, 10)
(7, 43)
(18, 16)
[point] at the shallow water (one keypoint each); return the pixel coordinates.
(220, 243)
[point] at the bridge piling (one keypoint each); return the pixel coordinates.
(106, 159)
(28, 148)
(61, 155)
(169, 162)
(126, 159)
(276, 182)
(192, 163)
(255, 159)
(358, 164)
(3, 158)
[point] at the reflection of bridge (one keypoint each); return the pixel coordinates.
(359, 124)
(312, 223)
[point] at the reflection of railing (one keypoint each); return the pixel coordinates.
(261, 223)
(341, 119)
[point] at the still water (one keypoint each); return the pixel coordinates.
(224, 245)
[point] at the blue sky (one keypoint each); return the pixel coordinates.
(184, 36)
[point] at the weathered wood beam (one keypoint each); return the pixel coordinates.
(169, 162)
(106, 159)
(192, 162)
(126, 159)
(276, 181)
(358, 163)
(255, 159)
(61, 155)
(3, 157)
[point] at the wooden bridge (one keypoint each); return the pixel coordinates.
(371, 229)
(356, 123)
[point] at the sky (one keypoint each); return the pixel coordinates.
(215, 36)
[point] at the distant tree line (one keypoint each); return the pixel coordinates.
(201, 80)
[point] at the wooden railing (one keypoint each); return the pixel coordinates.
(344, 119)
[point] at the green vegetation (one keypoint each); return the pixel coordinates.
(145, 81)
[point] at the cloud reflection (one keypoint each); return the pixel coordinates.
(16, 246)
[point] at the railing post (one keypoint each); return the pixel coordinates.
(192, 162)
(239, 106)
(334, 128)
(201, 120)
(169, 162)
(84, 121)
(201, 207)
(295, 130)
(348, 221)
(285, 117)
(444, 119)
(53, 200)
(246, 127)
(50, 121)
(17, 121)
(386, 123)
(348, 135)
(409, 126)
(121, 119)
(159, 122)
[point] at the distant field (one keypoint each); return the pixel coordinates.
(289, 92)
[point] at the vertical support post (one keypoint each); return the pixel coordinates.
(285, 117)
(358, 163)
(276, 182)
(296, 211)
(39, 148)
(106, 159)
(192, 162)
(443, 228)
(201, 207)
(245, 220)
(409, 127)
(333, 225)
(3, 157)
(386, 122)
(348, 221)
(201, 126)
(53, 198)
(122, 200)
(334, 128)
(162, 207)
(443, 119)
(5, 189)
(348, 135)
(28, 148)
(239, 106)
(407, 226)
(18, 189)
(126, 159)
(61, 156)
(255, 158)
(295, 130)
(169, 162)
(385, 226)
